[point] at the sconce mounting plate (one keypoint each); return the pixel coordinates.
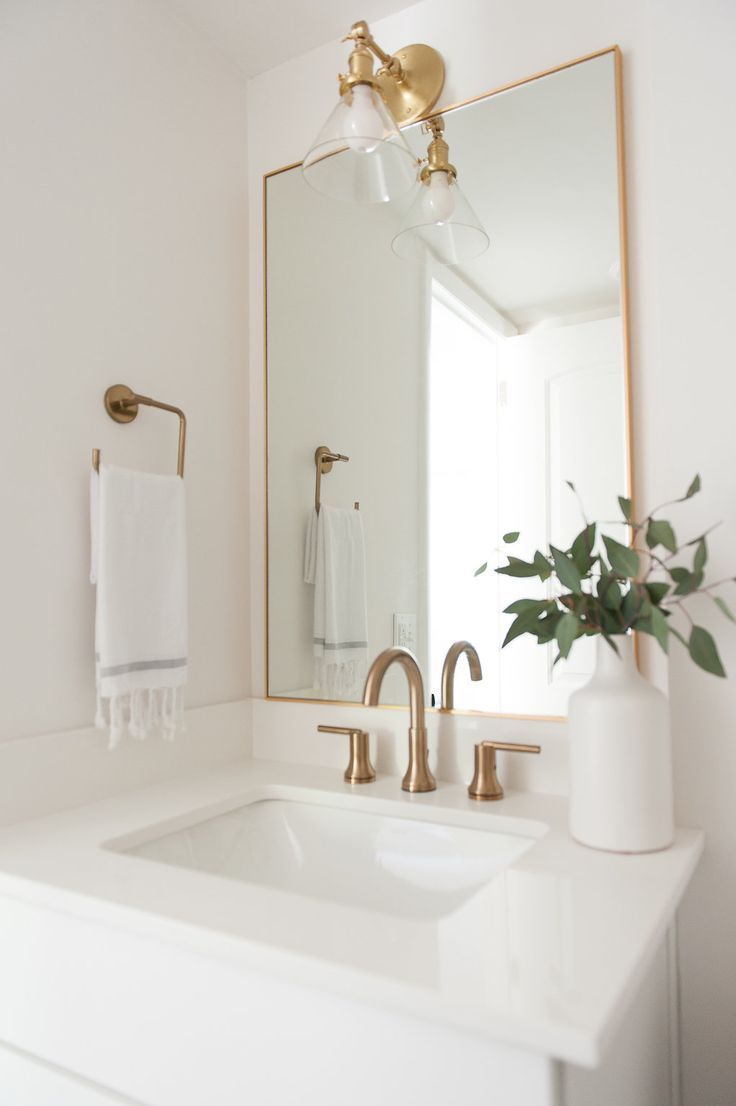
(418, 88)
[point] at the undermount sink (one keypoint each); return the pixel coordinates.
(394, 864)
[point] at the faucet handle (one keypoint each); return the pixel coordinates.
(359, 769)
(485, 783)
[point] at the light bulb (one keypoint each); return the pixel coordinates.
(438, 202)
(364, 126)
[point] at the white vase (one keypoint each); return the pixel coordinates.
(620, 757)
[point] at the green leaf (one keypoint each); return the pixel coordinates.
(517, 567)
(545, 628)
(660, 628)
(701, 556)
(582, 549)
(566, 632)
(511, 537)
(625, 505)
(694, 487)
(610, 622)
(657, 592)
(631, 606)
(567, 571)
(723, 606)
(660, 532)
(623, 560)
(610, 593)
(686, 581)
(523, 624)
(520, 606)
(481, 570)
(703, 651)
(544, 569)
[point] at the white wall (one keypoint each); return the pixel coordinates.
(679, 109)
(123, 226)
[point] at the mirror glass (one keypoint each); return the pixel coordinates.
(465, 398)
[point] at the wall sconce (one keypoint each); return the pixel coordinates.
(440, 220)
(360, 154)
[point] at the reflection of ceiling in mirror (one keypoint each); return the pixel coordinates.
(539, 168)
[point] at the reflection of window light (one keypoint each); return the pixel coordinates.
(462, 489)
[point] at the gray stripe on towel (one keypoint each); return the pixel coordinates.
(340, 644)
(142, 666)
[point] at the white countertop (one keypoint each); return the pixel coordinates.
(545, 957)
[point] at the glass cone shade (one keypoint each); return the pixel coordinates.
(360, 154)
(442, 223)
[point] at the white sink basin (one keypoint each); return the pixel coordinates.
(393, 864)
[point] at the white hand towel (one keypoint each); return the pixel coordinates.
(310, 548)
(138, 536)
(340, 611)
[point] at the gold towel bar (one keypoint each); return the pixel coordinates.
(121, 404)
(324, 459)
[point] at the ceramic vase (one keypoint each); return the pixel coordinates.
(620, 757)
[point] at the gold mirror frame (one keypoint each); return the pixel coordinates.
(615, 51)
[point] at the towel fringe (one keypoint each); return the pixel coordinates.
(141, 713)
(339, 680)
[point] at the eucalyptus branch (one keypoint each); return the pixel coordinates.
(653, 559)
(716, 584)
(703, 536)
(612, 592)
(683, 609)
(691, 491)
(574, 491)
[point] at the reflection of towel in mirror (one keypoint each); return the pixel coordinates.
(335, 562)
(139, 566)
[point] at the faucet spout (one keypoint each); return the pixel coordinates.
(418, 776)
(454, 654)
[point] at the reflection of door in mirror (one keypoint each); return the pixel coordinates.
(466, 397)
(463, 458)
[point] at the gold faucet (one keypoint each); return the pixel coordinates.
(418, 776)
(448, 670)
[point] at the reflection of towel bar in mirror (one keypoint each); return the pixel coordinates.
(121, 404)
(324, 459)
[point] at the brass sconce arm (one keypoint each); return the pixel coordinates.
(360, 34)
(410, 81)
(438, 151)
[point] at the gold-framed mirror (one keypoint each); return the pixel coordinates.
(465, 396)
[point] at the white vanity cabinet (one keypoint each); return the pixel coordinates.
(108, 1018)
(126, 980)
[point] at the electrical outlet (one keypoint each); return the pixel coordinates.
(405, 631)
